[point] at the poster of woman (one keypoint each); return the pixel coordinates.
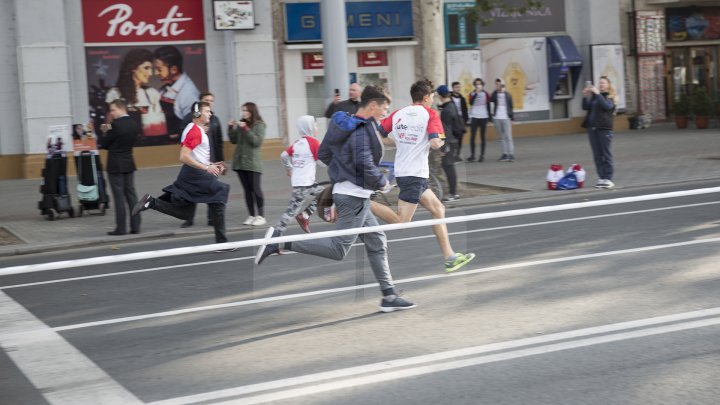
(152, 55)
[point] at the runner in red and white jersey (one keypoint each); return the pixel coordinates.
(414, 130)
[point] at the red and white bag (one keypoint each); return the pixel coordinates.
(554, 174)
(579, 173)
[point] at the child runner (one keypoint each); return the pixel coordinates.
(300, 160)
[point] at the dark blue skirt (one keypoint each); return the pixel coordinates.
(198, 186)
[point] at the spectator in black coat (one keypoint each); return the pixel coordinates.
(118, 138)
(350, 105)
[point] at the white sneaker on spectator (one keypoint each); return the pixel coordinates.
(600, 183)
(609, 184)
(258, 221)
(249, 221)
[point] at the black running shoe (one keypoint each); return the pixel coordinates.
(397, 304)
(146, 202)
(266, 250)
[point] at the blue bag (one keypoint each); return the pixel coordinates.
(568, 182)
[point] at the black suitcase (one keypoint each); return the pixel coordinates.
(55, 198)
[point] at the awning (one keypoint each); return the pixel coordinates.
(564, 59)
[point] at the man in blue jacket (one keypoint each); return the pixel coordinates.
(352, 149)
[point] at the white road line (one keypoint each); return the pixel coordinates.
(453, 359)
(497, 228)
(402, 281)
(55, 367)
(93, 261)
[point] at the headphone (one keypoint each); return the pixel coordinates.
(196, 110)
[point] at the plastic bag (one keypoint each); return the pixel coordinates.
(568, 182)
(554, 174)
(579, 173)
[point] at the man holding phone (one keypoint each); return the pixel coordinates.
(350, 105)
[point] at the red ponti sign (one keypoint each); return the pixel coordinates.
(109, 21)
(313, 60)
(372, 58)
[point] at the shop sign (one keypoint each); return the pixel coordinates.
(460, 31)
(372, 58)
(550, 17)
(313, 60)
(110, 21)
(364, 20)
(693, 24)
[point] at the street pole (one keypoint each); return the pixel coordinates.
(334, 38)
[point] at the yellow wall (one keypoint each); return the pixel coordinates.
(30, 166)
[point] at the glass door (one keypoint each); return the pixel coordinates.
(703, 68)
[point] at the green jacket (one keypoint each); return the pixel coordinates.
(247, 151)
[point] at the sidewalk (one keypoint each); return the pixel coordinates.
(661, 154)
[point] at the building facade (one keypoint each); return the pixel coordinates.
(674, 46)
(270, 53)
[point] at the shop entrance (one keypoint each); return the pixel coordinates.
(692, 67)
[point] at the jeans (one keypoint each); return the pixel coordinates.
(353, 212)
(504, 129)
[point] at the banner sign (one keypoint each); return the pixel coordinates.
(693, 24)
(550, 17)
(142, 21)
(365, 20)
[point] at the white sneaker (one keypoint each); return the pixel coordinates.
(258, 221)
(609, 184)
(602, 183)
(249, 221)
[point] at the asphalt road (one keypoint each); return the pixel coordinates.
(606, 305)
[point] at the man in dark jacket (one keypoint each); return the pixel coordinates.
(352, 149)
(118, 138)
(215, 135)
(350, 105)
(453, 125)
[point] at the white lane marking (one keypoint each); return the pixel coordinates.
(364, 286)
(443, 361)
(54, 366)
(64, 264)
(497, 228)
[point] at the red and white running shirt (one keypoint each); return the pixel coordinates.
(195, 139)
(304, 153)
(413, 127)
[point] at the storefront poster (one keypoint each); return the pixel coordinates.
(693, 24)
(463, 67)
(522, 64)
(152, 55)
(607, 60)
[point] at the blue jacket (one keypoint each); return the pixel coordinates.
(352, 151)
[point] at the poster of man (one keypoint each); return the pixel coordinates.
(158, 69)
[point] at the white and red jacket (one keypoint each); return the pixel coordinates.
(301, 157)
